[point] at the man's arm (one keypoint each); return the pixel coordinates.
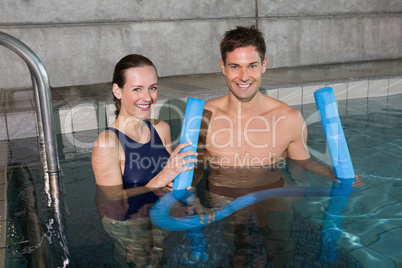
(297, 148)
(316, 167)
(298, 152)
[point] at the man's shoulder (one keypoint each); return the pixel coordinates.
(278, 107)
(216, 103)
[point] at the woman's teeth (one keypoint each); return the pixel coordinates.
(143, 106)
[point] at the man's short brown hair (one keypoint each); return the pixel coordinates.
(243, 37)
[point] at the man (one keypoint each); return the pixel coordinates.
(244, 139)
(246, 126)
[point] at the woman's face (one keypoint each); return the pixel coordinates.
(139, 93)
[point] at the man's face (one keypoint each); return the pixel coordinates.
(243, 71)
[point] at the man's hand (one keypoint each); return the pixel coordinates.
(358, 181)
(197, 208)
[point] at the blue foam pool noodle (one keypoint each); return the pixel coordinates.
(339, 153)
(334, 135)
(343, 169)
(190, 131)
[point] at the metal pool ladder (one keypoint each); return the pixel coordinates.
(48, 148)
(43, 100)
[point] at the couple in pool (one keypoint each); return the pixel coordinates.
(245, 137)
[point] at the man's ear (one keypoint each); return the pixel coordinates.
(264, 65)
(116, 91)
(223, 67)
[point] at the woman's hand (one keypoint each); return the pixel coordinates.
(177, 163)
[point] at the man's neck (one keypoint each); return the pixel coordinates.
(247, 108)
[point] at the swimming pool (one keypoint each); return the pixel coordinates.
(371, 229)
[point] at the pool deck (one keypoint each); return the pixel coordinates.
(80, 108)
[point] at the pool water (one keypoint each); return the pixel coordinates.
(367, 233)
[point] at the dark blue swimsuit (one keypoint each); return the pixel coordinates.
(143, 162)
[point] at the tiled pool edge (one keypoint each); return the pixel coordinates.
(89, 116)
(80, 108)
(348, 89)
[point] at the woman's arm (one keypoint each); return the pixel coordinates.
(107, 162)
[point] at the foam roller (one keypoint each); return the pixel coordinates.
(190, 131)
(333, 132)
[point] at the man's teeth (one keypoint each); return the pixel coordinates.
(244, 85)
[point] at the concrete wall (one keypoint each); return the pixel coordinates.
(80, 41)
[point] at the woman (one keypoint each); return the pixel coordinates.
(133, 159)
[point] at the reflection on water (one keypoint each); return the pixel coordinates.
(261, 234)
(137, 242)
(271, 217)
(257, 230)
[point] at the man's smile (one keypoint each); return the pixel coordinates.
(244, 85)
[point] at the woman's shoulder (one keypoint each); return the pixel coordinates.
(163, 130)
(156, 123)
(160, 126)
(107, 139)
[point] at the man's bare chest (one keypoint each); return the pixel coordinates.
(254, 140)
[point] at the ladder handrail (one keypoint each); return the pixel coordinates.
(42, 92)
